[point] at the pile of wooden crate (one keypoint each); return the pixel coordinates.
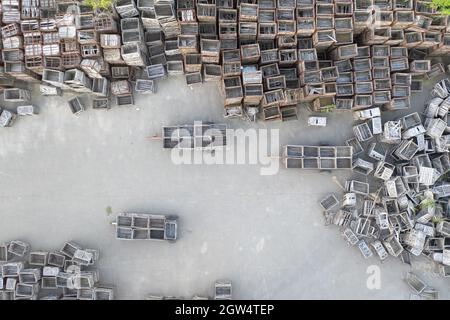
(267, 55)
(343, 55)
(398, 204)
(65, 274)
(64, 44)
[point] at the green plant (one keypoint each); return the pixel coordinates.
(437, 220)
(427, 203)
(328, 108)
(442, 6)
(104, 5)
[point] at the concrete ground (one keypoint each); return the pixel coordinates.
(60, 172)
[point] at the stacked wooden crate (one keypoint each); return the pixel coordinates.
(110, 41)
(123, 92)
(268, 54)
(13, 54)
(306, 52)
(187, 43)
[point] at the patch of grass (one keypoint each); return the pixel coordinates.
(328, 108)
(103, 5)
(443, 6)
(427, 203)
(436, 219)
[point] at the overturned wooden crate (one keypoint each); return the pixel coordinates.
(77, 80)
(125, 100)
(271, 113)
(76, 106)
(329, 202)
(232, 111)
(100, 103)
(121, 87)
(91, 67)
(16, 95)
(362, 132)
(27, 110)
(53, 77)
(175, 67)
(193, 78)
(134, 54)
(145, 86)
(121, 72)
(222, 290)
(156, 72)
(100, 87)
